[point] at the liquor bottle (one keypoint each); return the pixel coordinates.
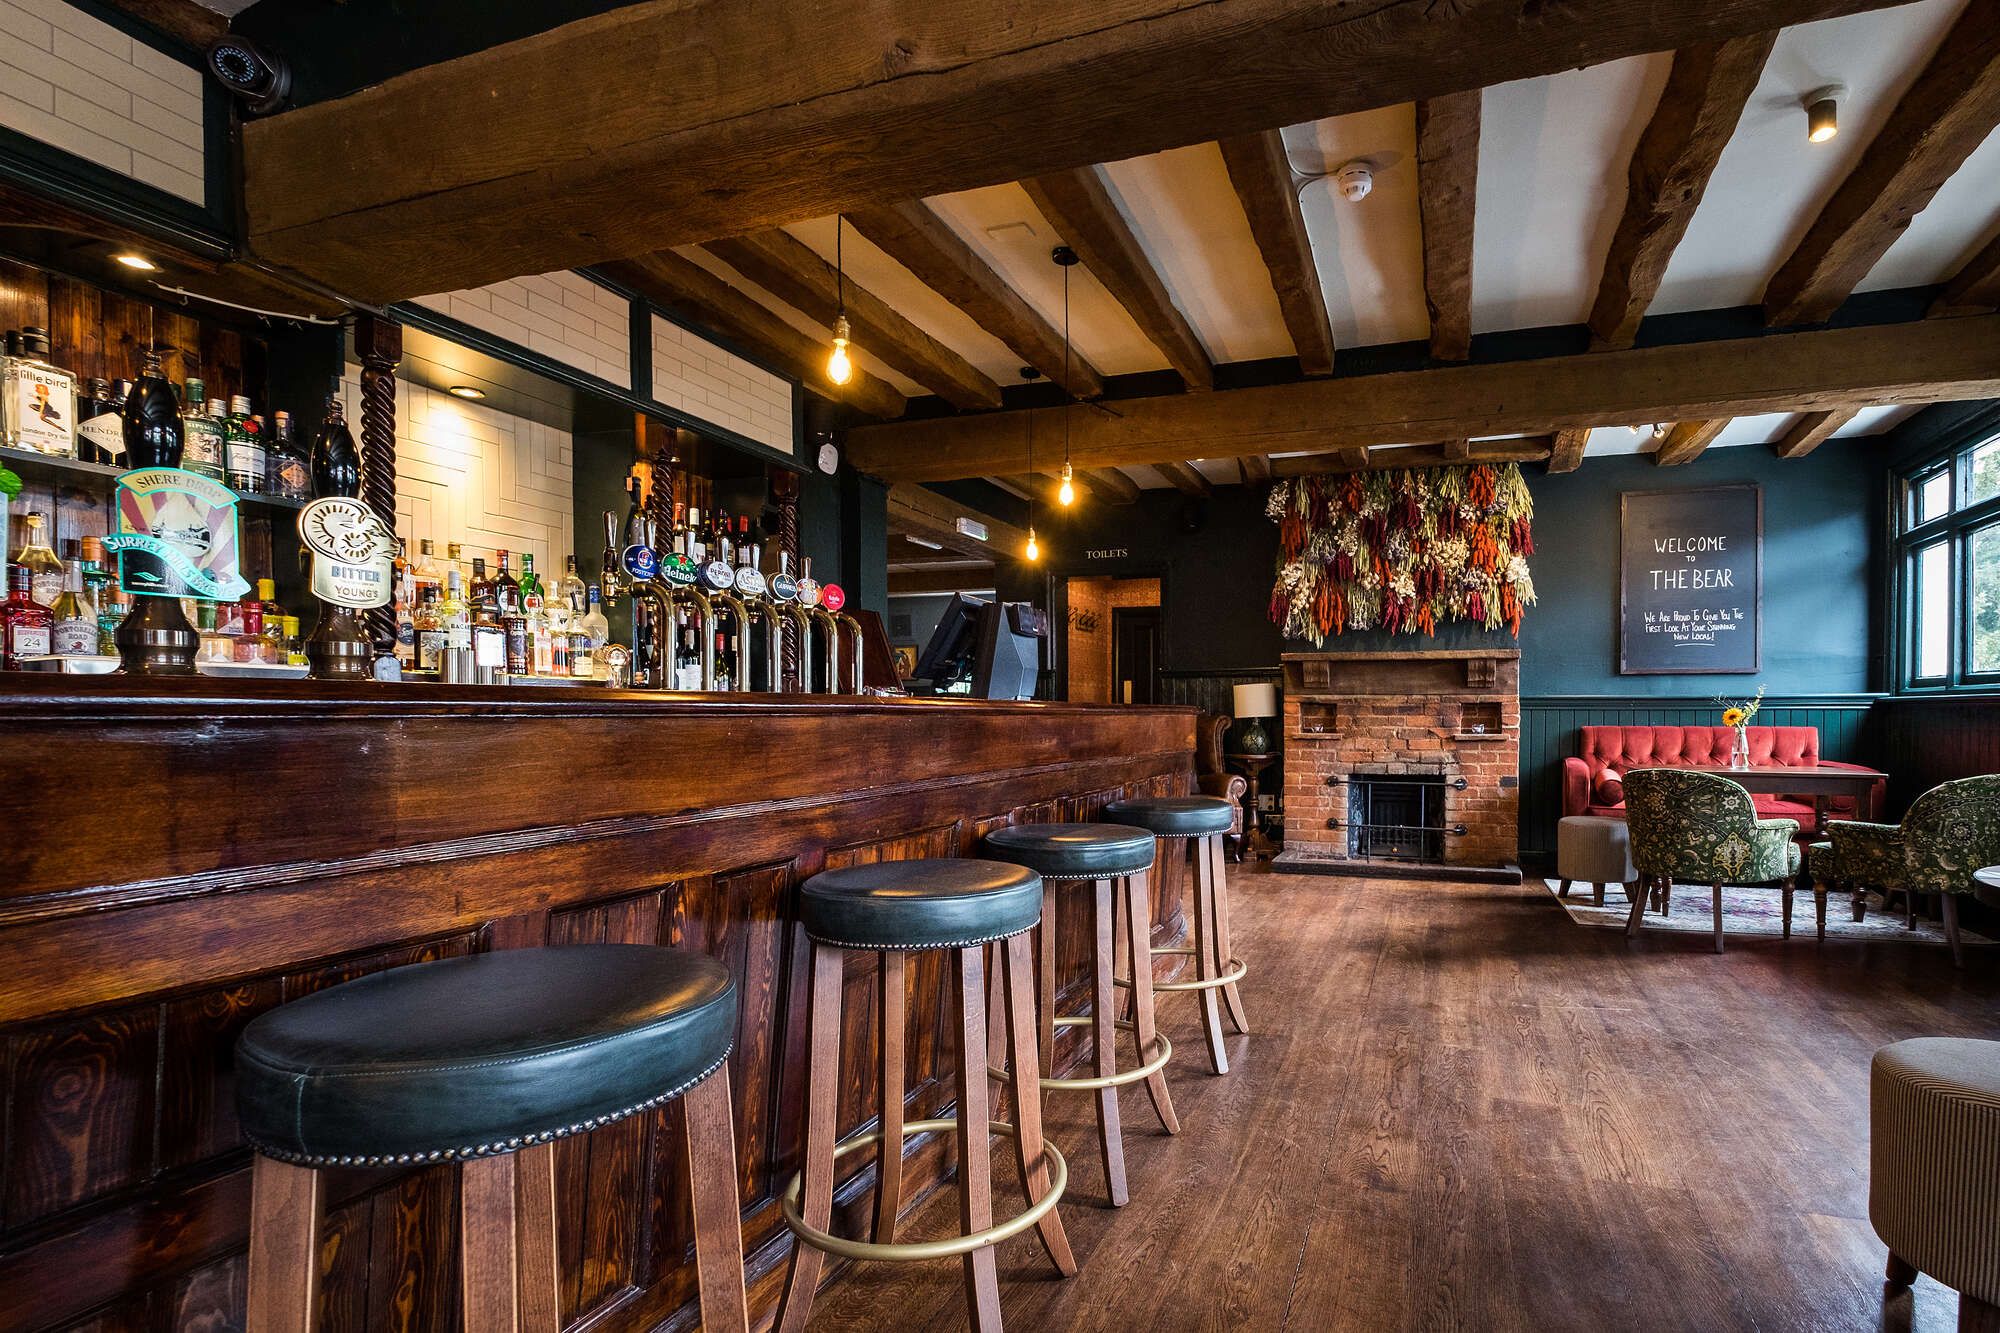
(100, 436)
(725, 663)
(44, 566)
(267, 597)
(97, 574)
(206, 433)
(453, 617)
(26, 626)
(113, 605)
(454, 558)
(489, 638)
(399, 575)
(749, 578)
(406, 632)
(425, 576)
(288, 474)
(429, 629)
(571, 591)
(154, 434)
(40, 399)
(74, 633)
(594, 626)
(480, 594)
(295, 647)
(336, 462)
(532, 596)
(506, 592)
(582, 651)
(520, 662)
(245, 459)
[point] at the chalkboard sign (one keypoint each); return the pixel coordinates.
(1690, 581)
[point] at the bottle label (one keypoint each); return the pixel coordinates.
(246, 464)
(832, 598)
(750, 580)
(640, 561)
(45, 585)
(41, 410)
(679, 571)
(458, 635)
(202, 446)
(489, 646)
(76, 638)
(718, 575)
(784, 587)
(106, 430)
(290, 478)
(30, 640)
(430, 643)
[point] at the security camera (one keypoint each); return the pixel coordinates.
(262, 82)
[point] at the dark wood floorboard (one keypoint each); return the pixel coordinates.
(1460, 1111)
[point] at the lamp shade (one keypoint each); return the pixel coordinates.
(1256, 700)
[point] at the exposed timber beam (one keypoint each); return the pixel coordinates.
(1186, 479)
(918, 239)
(680, 283)
(195, 24)
(806, 110)
(1687, 441)
(1810, 431)
(1018, 487)
(1922, 361)
(1697, 112)
(1975, 288)
(1531, 449)
(1566, 449)
(1447, 184)
(969, 579)
(1256, 469)
(1110, 485)
(1261, 174)
(1458, 450)
(1950, 109)
(793, 272)
(1081, 209)
(920, 511)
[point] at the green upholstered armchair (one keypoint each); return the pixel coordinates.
(1702, 828)
(1952, 830)
(1861, 856)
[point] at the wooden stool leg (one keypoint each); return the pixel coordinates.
(1139, 957)
(1224, 951)
(284, 1247)
(717, 1207)
(889, 1154)
(822, 1108)
(1028, 1108)
(997, 1088)
(488, 1220)
(535, 1238)
(1646, 890)
(1977, 1316)
(1104, 1043)
(1597, 895)
(975, 1157)
(1819, 910)
(1204, 955)
(1950, 908)
(1045, 981)
(1562, 889)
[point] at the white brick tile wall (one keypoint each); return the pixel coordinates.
(76, 83)
(563, 316)
(694, 375)
(469, 474)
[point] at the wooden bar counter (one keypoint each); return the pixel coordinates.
(182, 855)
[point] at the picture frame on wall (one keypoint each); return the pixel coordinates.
(1691, 581)
(906, 660)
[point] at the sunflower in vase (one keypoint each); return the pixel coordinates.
(1736, 715)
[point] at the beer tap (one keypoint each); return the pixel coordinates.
(853, 626)
(658, 665)
(610, 579)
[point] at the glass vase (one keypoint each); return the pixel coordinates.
(1739, 747)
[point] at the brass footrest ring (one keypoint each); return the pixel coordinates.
(910, 1251)
(1136, 1074)
(1238, 969)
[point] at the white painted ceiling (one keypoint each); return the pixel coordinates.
(1552, 166)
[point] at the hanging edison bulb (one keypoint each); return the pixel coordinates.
(1067, 492)
(1034, 550)
(839, 368)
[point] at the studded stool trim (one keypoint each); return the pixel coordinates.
(915, 948)
(494, 1149)
(903, 1251)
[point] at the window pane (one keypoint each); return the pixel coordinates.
(1985, 472)
(1986, 598)
(1930, 496)
(1933, 610)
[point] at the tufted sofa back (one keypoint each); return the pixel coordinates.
(1623, 748)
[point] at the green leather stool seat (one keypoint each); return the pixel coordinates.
(925, 904)
(1175, 816)
(469, 1057)
(1074, 851)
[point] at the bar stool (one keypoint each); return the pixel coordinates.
(895, 908)
(1198, 823)
(487, 1061)
(1113, 859)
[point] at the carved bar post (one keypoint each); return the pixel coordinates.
(785, 496)
(656, 445)
(380, 343)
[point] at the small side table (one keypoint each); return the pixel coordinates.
(1253, 765)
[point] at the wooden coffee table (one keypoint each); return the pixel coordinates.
(1814, 780)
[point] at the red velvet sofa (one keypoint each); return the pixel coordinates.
(1607, 750)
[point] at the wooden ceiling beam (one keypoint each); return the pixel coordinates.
(1447, 184)
(923, 512)
(1950, 109)
(1687, 441)
(1256, 469)
(1110, 485)
(678, 282)
(1810, 431)
(1261, 174)
(1975, 288)
(506, 161)
(1704, 98)
(1921, 361)
(1530, 449)
(1080, 208)
(917, 583)
(793, 272)
(1186, 478)
(919, 240)
(1566, 449)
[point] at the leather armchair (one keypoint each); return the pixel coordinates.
(1212, 778)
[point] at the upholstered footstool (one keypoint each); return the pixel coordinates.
(1594, 850)
(1934, 1168)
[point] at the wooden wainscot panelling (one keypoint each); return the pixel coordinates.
(284, 840)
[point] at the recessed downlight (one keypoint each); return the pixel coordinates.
(137, 261)
(466, 391)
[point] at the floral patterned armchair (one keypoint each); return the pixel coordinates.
(1952, 830)
(1702, 828)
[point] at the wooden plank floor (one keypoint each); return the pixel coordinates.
(1458, 1110)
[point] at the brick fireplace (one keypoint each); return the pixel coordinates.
(1402, 762)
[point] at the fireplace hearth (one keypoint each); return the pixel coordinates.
(1398, 818)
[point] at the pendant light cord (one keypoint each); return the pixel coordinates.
(1067, 395)
(839, 271)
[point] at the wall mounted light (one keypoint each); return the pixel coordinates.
(1823, 112)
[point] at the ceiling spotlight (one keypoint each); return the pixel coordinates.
(140, 262)
(466, 391)
(1822, 113)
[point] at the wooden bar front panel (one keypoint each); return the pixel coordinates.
(183, 859)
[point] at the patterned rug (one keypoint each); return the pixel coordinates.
(1752, 911)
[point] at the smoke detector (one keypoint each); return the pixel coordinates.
(1355, 180)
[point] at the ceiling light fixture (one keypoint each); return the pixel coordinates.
(467, 392)
(839, 368)
(140, 262)
(924, 542)
(1066, 258)
(1823, 112)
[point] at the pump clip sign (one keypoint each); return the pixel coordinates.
(353, 552)
(176, 536)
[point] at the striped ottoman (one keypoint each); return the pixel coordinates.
(1934, 1168)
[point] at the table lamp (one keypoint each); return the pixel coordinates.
(1254, 703)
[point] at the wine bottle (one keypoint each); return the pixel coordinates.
(336, 462)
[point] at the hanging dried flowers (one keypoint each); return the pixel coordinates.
(1402, 550)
